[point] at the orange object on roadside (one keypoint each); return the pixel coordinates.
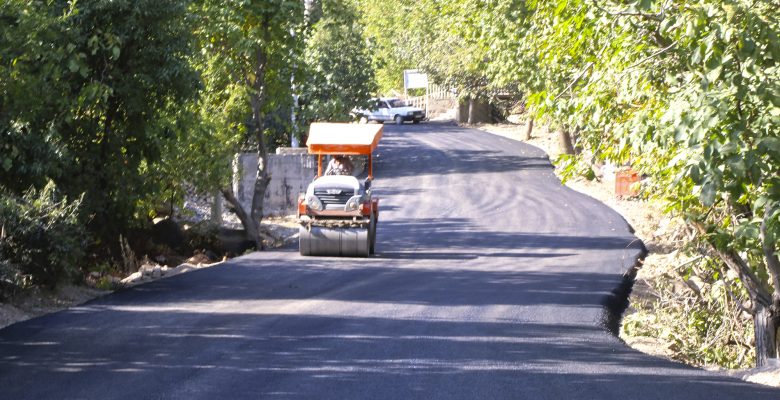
(626, 183)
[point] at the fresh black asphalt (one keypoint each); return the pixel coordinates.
(490, 282)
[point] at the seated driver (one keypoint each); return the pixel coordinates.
(339, 165)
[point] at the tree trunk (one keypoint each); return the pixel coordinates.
(768, 321)
(529, 128)
(258, 197)
(765, 327)
(471, 111)
(252, 229)
(257, 99)
(312, 11)
(765, 304)
(565, 141)
(246, 221)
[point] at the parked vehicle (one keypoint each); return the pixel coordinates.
(391, 109)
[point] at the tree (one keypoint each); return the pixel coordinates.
(394, 46)
(108, 73)
(248, 53)
(340, 76)
(28, 153)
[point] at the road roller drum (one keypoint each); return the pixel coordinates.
(342, 242)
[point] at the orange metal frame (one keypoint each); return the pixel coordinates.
(347, 139)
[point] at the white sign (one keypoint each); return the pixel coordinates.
(414, 79)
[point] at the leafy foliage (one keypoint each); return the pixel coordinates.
(107, 72)
(340, 73)
(43, 238)
(394, 46)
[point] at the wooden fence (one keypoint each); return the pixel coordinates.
(435, 92)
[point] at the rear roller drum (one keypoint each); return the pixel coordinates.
(345, 242)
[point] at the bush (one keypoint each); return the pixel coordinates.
(699, 316)
(43, 239)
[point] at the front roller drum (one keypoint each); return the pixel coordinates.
(343, 242)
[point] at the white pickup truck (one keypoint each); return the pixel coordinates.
(391, 109)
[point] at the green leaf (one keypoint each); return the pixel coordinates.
(697, 55)
(714, 74)
(770, 145)
(747, 230)
(737, 165)
(695, 174)
(708, 193)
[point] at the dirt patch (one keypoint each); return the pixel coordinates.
(38, 302)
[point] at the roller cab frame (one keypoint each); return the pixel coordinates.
(338, 215)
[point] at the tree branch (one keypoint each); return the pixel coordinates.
(587, 67)
(650, 57)
(757, 292)
(246, 221)
(576, 79)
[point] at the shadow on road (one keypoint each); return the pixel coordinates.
(402, 155)
(257, 354)
(461, 236)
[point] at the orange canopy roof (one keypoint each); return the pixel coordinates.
(349, 139)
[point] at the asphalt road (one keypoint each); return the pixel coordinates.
(490, 282)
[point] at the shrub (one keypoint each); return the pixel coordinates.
(43, 239)
(699, 316)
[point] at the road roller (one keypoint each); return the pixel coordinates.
(337, 214)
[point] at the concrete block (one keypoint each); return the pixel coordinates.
(291, 172)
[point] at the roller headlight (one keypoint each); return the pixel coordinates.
(353, 203)
(314, 203)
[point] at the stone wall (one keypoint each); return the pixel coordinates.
(291, 170)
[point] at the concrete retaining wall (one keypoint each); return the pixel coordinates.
(481, 112)
(439, 107)
(291, 172)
